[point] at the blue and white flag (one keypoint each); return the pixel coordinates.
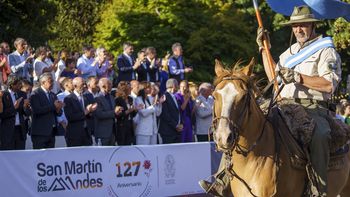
(322, 9)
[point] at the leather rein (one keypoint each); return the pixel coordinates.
(236, 126)
(236, 131)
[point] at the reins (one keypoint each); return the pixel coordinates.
(235, 134)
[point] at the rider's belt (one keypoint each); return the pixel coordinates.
(311, 101)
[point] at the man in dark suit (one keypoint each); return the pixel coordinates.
(45, 110)
(170, 122)
(77, 108)
(89, 96)
(105, 127)
(1, 104)
(143, 70)
(16, 106)
(153, 63)
(127, 64)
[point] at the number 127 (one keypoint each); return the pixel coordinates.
(127, 171)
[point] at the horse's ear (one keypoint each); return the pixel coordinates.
(219, 68)
(248, 70)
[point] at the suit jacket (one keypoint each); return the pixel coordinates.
(20, 68)
(104, 117)
(142, 72)
(126, 72)
(8, 116)
(153, 72)
(89, 99)
(44, 114)
(169, 118)
(75, 114)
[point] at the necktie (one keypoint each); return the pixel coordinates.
(16, 95)
(108, 98)
(49, 97)
(81, 102)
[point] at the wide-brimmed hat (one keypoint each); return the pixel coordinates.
(301, 14)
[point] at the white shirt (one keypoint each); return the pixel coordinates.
(85, 66)
(38, 68)
(177, 106)
(60, 67)
(129, 58)
(47, 93)
(61, 97)
(81, 99)
(324, 63)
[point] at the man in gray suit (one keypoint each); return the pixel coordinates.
(45, 110)
(105, 127)
(20, 59)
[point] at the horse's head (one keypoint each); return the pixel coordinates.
(232, 95)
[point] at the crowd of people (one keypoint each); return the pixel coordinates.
(343, 111)
(96, 99)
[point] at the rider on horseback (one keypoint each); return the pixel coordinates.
(311, 71)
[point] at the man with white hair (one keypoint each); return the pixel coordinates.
(204, 108)
(45, 109)
(170, 126)
(101, 63)
(78, 109)
(105, 123)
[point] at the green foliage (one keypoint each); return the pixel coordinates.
(26, 19)
(205, 29)
(74, 23)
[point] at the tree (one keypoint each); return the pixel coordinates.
(26, 19)
(74, 23)
(204, 27)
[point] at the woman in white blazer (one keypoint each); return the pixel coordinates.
(146, 121)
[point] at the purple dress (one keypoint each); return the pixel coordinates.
(186, 117)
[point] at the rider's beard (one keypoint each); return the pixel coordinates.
(302, 37)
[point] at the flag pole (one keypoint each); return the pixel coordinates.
(266, 47)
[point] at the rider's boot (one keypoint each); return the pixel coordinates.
(215, 188)
(220, 186)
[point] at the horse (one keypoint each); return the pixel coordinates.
(241, 129)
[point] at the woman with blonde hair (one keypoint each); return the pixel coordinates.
(125, 132)
(193, 88)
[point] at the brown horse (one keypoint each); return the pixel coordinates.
(240, 126)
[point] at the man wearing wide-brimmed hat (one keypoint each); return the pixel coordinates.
(311, 71)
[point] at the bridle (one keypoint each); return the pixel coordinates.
(235, 134)
(235, 127)
(236, 130)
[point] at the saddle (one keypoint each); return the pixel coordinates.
(294, 129)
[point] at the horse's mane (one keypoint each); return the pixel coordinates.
(236, 72)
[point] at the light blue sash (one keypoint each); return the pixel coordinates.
(306, 52)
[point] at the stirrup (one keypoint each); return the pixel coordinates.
(215, 188)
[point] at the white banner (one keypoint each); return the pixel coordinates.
(161, 170)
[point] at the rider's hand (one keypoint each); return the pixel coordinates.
(260, 38)
(289, 75)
